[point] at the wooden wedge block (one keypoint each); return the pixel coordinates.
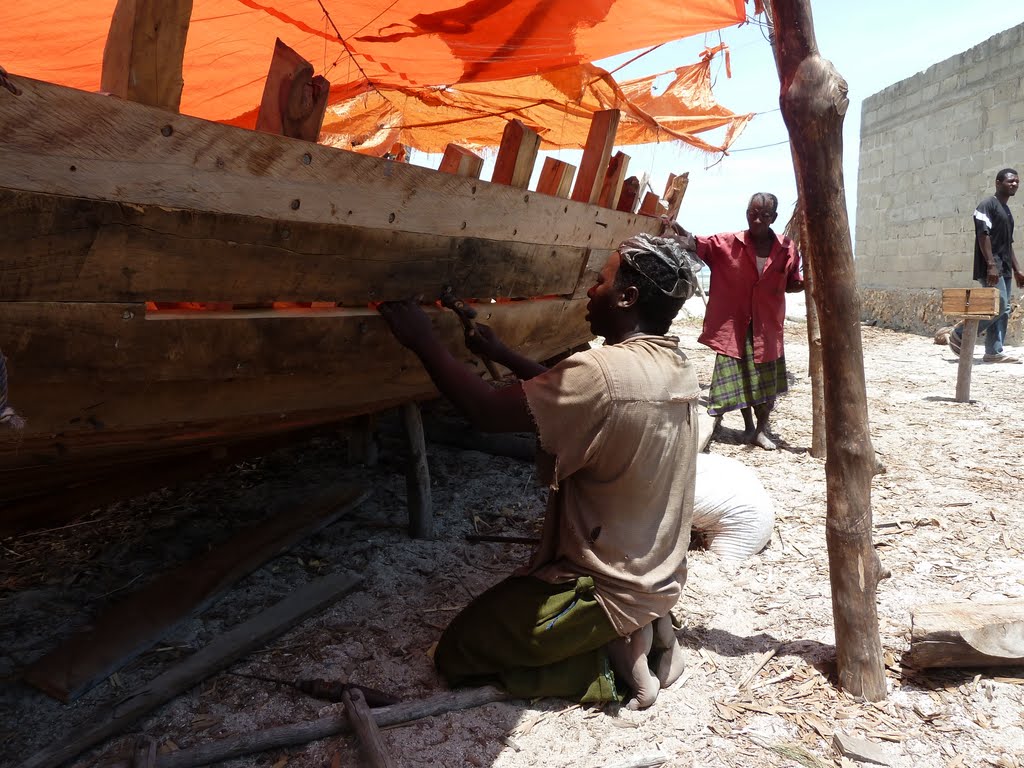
(596, 154)
(555, 177)
(461, 162)
(652, 206)
(516, 156)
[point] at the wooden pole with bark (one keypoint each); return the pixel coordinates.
(813, 100)
(796, 230)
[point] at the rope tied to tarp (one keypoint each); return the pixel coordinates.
(8, 416)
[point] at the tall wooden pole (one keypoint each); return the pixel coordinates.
(813, 100)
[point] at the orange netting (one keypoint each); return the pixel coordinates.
(423, 72)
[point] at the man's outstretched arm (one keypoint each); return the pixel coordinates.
(488, 408)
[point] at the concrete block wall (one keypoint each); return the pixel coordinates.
(930, 148)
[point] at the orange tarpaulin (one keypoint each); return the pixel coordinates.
(383, 55)
(558, 105)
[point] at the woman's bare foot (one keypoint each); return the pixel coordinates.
(629, 660)
(668, 656)
(762, 440)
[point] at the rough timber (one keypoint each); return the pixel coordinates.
(110, 208)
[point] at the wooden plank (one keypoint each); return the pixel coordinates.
(50, 342)
(555, 177)
(417, 475)
(461, 162)
(629, 198)
(123, 631)
(207, 166)
(224, 650)
(652, 206)
(59, 248)
(611, 189)
(981, 303)
(967, 634)
(142, 57)
(294, 101)
(675, 190)
(74, 416)
(596, 155)
(516, 155)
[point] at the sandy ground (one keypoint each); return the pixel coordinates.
(947, 519)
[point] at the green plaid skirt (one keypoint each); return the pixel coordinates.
(741, 383)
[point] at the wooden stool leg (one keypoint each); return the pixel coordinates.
(963, 371)
(417, 476)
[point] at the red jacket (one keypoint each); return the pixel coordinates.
(739, 296)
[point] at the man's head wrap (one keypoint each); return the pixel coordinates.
(683, 264)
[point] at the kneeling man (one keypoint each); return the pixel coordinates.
(619, 426)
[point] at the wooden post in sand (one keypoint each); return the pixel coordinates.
(813, 100)
(971, 305)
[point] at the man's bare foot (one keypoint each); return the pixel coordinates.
(667, 656)
(762, 440)
(629, 660)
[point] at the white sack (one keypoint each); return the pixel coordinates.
(732, 511)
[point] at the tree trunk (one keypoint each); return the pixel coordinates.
(813, 101)
(818, 443)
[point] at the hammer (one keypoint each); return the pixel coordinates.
(466, 314)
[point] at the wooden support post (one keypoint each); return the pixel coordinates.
(555, 178)
(516, 156)
(294, 101)
(970, 305)
(652, 206)
(461, 162)
(417, 475)
(965, 366)
(596, 154)
(813, 100)
(366, 729)
(142, 58)
(613, 179)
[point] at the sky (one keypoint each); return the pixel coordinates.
(872, 43)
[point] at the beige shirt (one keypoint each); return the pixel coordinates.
(621, 424)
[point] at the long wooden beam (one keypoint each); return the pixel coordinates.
(69, 249)
(130, 153)
(814, 102)
(142, 58)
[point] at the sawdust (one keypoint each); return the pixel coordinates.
(759, 686)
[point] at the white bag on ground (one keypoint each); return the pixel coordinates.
(732, 512)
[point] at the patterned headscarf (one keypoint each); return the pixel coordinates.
(683, 263)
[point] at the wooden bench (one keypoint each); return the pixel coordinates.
(972, 305)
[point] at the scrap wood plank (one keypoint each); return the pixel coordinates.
(556, 178)
(461, 162)
(223, 651)
(967, 635)
(596, 155)
(126, 629)
(516, 155)
(337, 722)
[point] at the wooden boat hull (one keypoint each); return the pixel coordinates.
(113, 211)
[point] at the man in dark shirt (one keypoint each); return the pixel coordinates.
(994, 261)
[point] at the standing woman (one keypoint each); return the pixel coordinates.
(751, 272)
